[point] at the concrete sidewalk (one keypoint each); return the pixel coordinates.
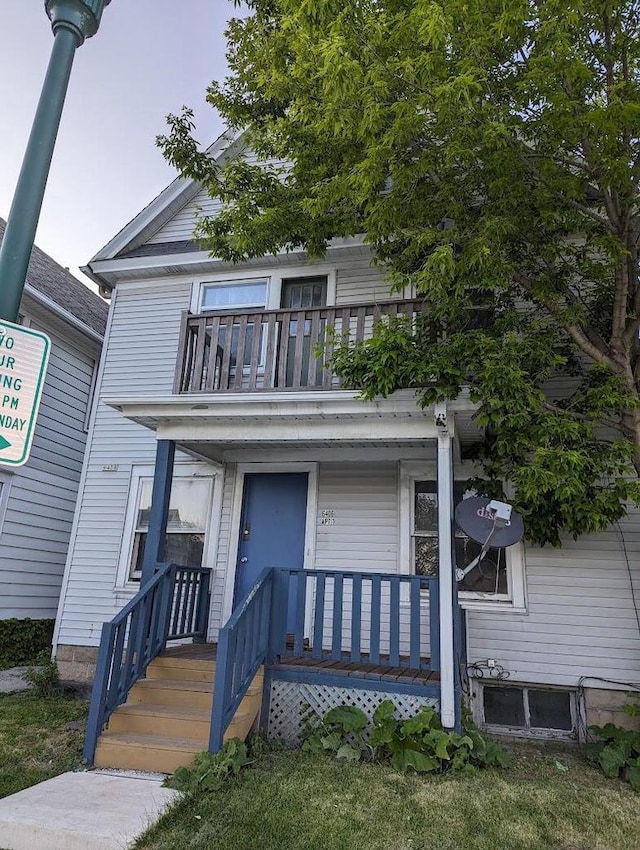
(12, 681)
(92, 810)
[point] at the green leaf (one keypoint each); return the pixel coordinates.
(349, 753)
(423, 721)
(421, 763)
(332, 741)
(440, 741)
(351, 718)
(612, 758)
(633, 776)
(385, 711)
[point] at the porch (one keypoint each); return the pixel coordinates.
(305, 630)
(153, 708)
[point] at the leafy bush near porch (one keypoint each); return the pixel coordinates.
(617, 752)
(418, 743)
(22, 640)
(211, 770)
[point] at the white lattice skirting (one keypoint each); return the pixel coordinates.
(292, 703)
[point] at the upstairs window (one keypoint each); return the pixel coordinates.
(231, 295)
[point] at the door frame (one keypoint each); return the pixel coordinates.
(242, 469)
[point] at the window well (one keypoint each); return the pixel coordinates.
(528, 709)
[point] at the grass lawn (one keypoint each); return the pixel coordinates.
(35, 741)
(290, 800)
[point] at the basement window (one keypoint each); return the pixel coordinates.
(529, 710)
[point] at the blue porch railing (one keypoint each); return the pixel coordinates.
(173, 605)
(367, 618)
(243, 645)
(389, 621)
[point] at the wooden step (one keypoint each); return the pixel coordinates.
(135, 750)
(173, 692)
(176, 668)
(162, 720)
(166, 720)
(153, 753)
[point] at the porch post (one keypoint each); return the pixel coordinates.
(159, 514)
(446, 579)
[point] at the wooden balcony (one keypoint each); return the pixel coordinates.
(273, 350)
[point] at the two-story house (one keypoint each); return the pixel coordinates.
(37, 500)
(310, 533)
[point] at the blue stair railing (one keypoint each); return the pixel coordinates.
(381, 619)
(243, 646)
(173, 605)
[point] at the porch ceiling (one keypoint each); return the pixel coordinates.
(219, 424)
(311, 450)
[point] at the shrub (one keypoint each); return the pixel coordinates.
(22, 640)
(44, 675)
(211, 770)
(418, 743)
(617, 753)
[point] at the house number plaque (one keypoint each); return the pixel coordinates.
(327, 517)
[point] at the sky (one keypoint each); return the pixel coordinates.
(148, 58)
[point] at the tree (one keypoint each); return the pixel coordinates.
(489, 151)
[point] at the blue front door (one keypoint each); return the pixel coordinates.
(272, 527)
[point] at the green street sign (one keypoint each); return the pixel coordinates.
(24, 355)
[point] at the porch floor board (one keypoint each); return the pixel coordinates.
(360, 670)
(343, 667)
(193, 651)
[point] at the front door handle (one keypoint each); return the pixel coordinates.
(243, 560)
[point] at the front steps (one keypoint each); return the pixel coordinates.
(167, 716)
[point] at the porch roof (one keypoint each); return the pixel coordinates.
(219, 425)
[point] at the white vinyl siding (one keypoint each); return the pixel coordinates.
(219, 574)
(364, 501)
(180, 227)
(361, 282)
(42, 494)
(140, 360)
(581, 620)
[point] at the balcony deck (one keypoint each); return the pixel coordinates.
(275, 350)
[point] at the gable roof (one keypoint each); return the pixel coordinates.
(162, 208)
(56, 284)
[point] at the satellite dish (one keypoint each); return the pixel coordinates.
(476, 517)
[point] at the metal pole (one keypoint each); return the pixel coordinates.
(27, 202)
(72, 22)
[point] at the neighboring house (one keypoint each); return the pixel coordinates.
(277, 466)
(37, 500)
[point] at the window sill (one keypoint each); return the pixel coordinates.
(537, 733)
(491, 605)
(485, 604)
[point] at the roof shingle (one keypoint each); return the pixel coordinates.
(60, 286)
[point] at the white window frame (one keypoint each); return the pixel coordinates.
(274, 279)
(141, 472)
(515, 602)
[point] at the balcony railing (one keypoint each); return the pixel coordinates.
(266, 350)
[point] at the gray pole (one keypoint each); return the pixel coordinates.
(72, 21)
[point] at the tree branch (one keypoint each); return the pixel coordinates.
(576, 333)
